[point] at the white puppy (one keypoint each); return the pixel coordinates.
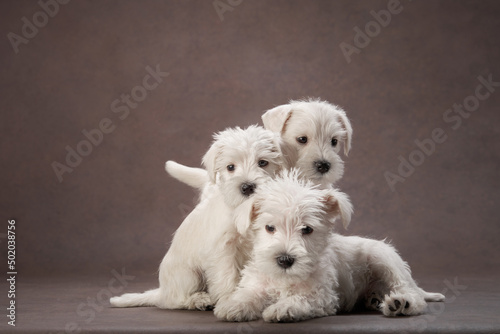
(300, 269)
(209, 250)
(312, 132)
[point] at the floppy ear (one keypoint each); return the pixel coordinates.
(348, 129)
(210, 158)
(279, 150)
(337, 204)
(276, 118)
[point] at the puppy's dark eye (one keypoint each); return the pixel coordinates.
(270, 229)
(307, 230)
(230, 168)
(302, 139)
(334, 142)
(263, 163)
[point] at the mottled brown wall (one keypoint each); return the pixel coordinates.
(118, 207)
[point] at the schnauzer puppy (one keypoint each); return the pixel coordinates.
(312, 132)
(300, 269)
(209, 247)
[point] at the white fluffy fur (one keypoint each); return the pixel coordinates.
(209, 250)
(330, 272)
(317, 120)
(193, 177)
(320, 122)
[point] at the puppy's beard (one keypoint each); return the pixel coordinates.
(308, 169)
(231, 188)
(301, 269)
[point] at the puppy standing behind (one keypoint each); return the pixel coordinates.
(312, 132)
(300, 269)
(208, 249)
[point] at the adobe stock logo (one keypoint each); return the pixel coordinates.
(30, 29)
(122, 107)
(225, 6)
(372, 29)
(454, 118)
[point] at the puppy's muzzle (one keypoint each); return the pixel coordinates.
(322, 166)
(285, 261)
(247, 189)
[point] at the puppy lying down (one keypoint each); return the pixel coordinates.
(301, 269)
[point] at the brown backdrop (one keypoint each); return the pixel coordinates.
(118, 207)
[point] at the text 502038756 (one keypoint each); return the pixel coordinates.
(11, 271)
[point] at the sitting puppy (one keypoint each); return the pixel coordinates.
(208, 249)
(312, 132)
(300, 269)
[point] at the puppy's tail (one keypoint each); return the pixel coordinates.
(194, 177)
(148, 298)
(433, 296)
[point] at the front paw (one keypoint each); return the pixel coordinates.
(199, 301)
(403, 304)
(283, 312)
(276, 313)
(231, 310)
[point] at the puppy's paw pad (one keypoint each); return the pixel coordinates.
(403, 304)
(374, 301)
(396, 306)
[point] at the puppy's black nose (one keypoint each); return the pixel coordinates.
(247, 189)
(285, 261)
(322, 166)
